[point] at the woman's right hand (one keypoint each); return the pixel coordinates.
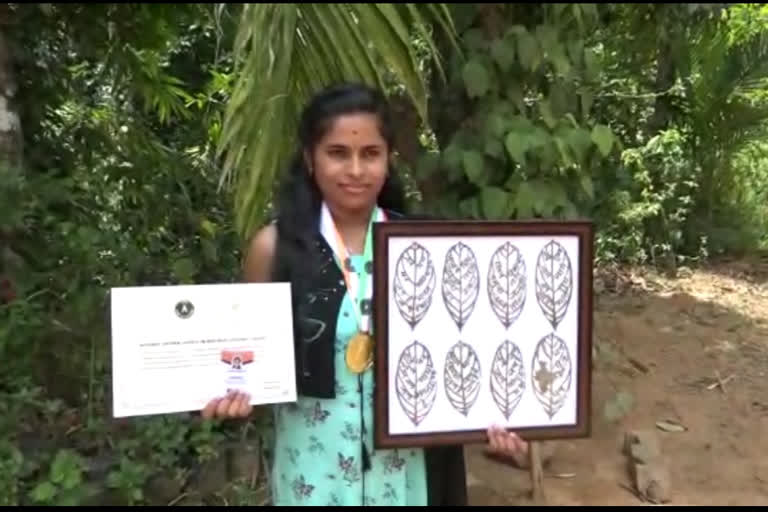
(235, 404)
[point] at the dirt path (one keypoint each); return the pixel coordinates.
(686, 332)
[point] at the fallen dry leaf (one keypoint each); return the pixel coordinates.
(670, 426)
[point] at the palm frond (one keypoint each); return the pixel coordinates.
(285, 53)
(725, 71)
(741, 124)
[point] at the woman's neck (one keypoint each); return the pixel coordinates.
(352, 226)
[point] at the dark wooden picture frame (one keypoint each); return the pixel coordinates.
(581, 294)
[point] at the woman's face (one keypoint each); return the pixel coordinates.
(350, 162)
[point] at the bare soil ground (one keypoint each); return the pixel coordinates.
(688, 332)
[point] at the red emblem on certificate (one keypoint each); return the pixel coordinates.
(236, 361)
(237, 358)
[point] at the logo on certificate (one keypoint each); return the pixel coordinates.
(236, 371)
(184, 309)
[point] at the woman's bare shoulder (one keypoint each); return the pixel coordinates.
(260, 255)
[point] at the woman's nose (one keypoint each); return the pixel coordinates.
(356, 166)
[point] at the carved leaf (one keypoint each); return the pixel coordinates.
(414, 283)
(462, 377)
(507, 378)
(551, 372)
(507, 283)
(554, 282)
(416, 382)
(461, 283)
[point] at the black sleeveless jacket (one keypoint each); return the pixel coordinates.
(315, 316)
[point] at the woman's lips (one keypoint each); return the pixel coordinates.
(353, 188)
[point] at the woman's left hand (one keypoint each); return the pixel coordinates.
(506, 444)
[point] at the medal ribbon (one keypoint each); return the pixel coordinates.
(358, 292)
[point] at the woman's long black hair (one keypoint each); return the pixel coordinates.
(299, 198)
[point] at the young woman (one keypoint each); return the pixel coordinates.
(340, 182)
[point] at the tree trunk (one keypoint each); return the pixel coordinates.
(407, 134)
(670, 19)
(665, 79)
(10, 125)
(10, 149)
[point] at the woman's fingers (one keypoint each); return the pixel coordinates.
(223, 408)
(495, 438)
(506, 443)
(210, 408)
(513, 443)
(491, 439)
(510, 444)
(522, 446)
(235, 404)
(240, 405)
(245, 405)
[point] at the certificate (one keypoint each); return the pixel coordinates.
(174, 348)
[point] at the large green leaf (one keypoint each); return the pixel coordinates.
(285, 53)
(43, 492)
(496, 203)
(545, 109)
(528, 51)
(476, 78)
(602, 136)
(503, 52)
(474, 168)
(587, 185)
(517, 145)
(524, 201)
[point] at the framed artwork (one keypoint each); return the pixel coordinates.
(480, 323)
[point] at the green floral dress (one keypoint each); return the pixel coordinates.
(318, 453)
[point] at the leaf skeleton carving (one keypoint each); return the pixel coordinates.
(507, 377)
(414, 283)
(462, 377)
(507, 283)
(554, 282)
(416, 382)
(461, 283)
(551, 371)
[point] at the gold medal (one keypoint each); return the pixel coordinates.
(359, 355)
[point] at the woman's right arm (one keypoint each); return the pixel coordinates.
(257, 268)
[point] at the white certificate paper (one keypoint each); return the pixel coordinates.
(174, 348)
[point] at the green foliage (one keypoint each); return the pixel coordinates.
(690, 79)
(653, 198)
(128, 480)
(739, 221)
(119, 188)
(528, 146)
(64, 482)
(11, 465)
(729, 114)
(287, 52)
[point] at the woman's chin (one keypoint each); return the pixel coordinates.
(357, 204)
